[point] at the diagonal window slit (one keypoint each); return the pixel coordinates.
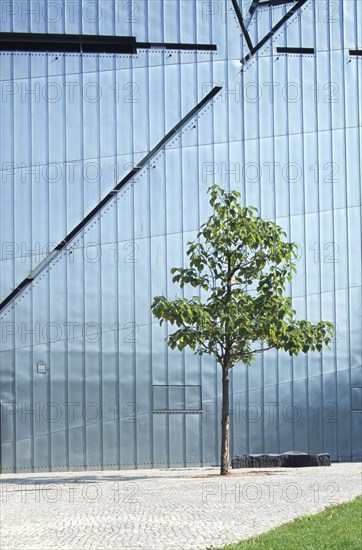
(98, 208)
(241, 23)
(276, 27)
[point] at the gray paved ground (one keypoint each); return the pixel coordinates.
(162, 509)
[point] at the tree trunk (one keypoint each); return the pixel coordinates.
(225, 424)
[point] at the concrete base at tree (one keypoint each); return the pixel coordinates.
(291, 459)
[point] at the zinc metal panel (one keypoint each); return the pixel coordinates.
(311, 176)
(285, 367)
(312, 238)
(92, 362)
(76, 404)
(271, 418)
(192, 440)
(254, 412)
(110, 397)
(354, 221)
(267, 178)
(189, 98)
(251, 91)
(169, 211)
(177, 440)
(107, 108)
(221, 163)
(356, 376)
(342, 348)
(356, 436)
(334, 15)
(42, 456)
(357, 399)
(321, 251)
(286, 417)
(58, 168)
(28, 413)
(9, 407)
(293, 172)
(315, 416)
(299, 415)
(334, 92)
(343, 413)
(137, 89)
(221, 113)
(256, 374)
(324, 81)
(252, 173)
(353, 166)
(58, 398)
(330, 415)
(282, 191)
(127, 403)
(279, 75)
(127, 100)
(7, 458)
(156, 95)
(143, 393)
(160, 442)
(325, 168)
(206, 118)
(338, 169)
(210, 426)
(337, 253)
(74, 107)
(172, 105)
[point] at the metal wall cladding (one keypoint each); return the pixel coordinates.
(80, 351)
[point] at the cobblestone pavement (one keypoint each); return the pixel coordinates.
(162, 509)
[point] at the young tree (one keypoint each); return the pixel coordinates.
(243, 264)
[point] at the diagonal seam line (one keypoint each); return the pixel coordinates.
(276, 27)
(78, 228)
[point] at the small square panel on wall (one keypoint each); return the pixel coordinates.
(41, 368)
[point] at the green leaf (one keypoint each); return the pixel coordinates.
(237, 273)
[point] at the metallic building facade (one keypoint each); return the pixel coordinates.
(87, 381)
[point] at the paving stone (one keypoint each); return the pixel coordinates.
(162, 509)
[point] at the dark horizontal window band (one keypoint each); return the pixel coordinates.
(176, 46)
(276, 27)
(355, 52)
(43, 42)
(177, 411)
(97, 209)
(282, 49)
(77, 43)
(271, 3)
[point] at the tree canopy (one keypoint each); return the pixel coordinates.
(243, 263)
